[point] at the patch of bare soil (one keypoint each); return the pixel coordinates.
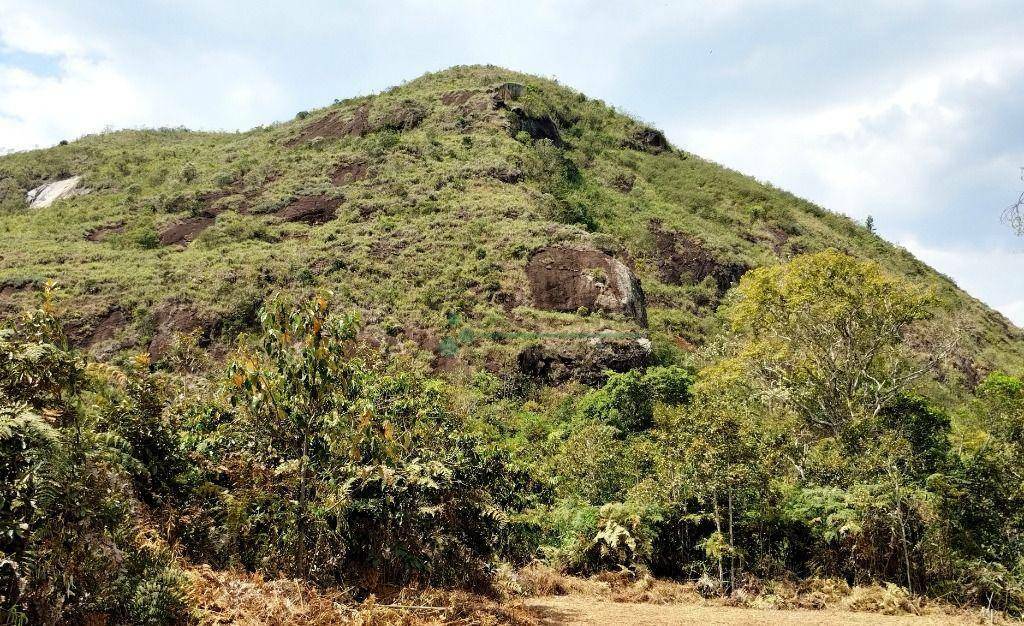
(107, 327)
(581, 609)
(312, 210)
(172, 319)
(347, 173)
(102, 232)
(334, 125)
(10, 290)
(185, 231)
(461, 96)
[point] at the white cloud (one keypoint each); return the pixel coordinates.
(35, 29)
(85, 94)
(874, 154)
(85, 97)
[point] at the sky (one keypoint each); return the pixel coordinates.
(909, 111)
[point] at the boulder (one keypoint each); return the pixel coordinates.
(46, 194)
(507, 92)
(587, 360)
(569, 279)
(537, 127)
(647, 139)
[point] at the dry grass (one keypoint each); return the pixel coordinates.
(539, 579)
(815, 594)
(231, 597)
(244, 599)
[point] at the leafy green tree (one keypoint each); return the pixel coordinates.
(366, 461)
(730, 450)
(824, 333)
(296, 383)
(627, 400)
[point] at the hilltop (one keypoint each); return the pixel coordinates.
(422, 207)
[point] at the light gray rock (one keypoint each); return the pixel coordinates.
(46, 194)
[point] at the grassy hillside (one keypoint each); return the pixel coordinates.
(506, 242)
(419, 207)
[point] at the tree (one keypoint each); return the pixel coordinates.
(295, 381)
(733, 447)
(824, 334)
(1012, 215)
(345, 461)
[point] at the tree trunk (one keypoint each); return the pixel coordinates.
(718, 529)
(300, 521)
(732, 554)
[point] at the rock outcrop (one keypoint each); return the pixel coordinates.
(587, 361)
(569, 279)
(46, 194)
(682, 259)
(648, 139)
(537, 127)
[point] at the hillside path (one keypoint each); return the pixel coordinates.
(577, 610)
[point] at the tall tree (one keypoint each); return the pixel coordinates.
(824, 333)
(295, 381)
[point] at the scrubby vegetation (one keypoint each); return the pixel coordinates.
(293, 359)
(797, 449)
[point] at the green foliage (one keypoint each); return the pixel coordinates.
(68, 541)
(366, 463)
(813, 438)
(627, 400)
(826, 330)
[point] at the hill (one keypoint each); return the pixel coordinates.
(420, 355)
(477, 218)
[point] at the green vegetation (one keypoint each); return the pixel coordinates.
(441, 200)
(298, 351)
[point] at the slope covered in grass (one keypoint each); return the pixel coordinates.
(420, 208)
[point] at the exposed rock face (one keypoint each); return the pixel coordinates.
(46, 194)
(536, 127)
(543, 127)
(683, 259)
(507, 92)
(569, 279)
(586, 361)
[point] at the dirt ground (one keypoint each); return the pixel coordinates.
(593, 611)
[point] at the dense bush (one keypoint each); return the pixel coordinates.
(70, 544)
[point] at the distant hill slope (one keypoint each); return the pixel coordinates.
(476, 217)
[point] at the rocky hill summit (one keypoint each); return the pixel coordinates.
(477, 218)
